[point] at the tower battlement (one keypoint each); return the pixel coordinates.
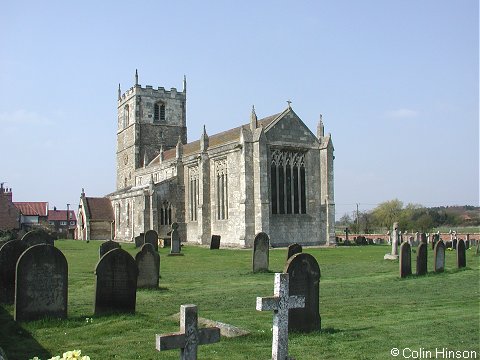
(148, 90)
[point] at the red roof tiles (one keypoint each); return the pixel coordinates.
(61, 215)
(100, 209)
(32, 208)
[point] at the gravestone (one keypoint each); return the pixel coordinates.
(394, 241)
(189, 336)
(454, 244)
(423, 238)
(215, 242)
(467, 243)
(281, 303)
(304, 281)
(116, 283)
(151, 237)
(107, 246)
(406, 259)
(41, 284)
(9, 254)
(461, 256)
(148, 262)
(439, 257)
(175, 247)
(422, 259)
(435, 239)
(293, 249)
(140, 240)
(36, 237)
(261, 246)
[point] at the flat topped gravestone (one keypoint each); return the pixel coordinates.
(293, 249)
(151, 237)
(190, 336)
(215, 242)
(175, 248)
(107, 246)
(461, 255)
(116, 283)
(439, 257)
(422, 259)
(405, 260)
(9, 254)
(261, 246)
(148, 262)
(36, 237)
(304, 281)
(41, 287)
(280, 303)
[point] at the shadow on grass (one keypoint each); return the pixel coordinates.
(333, 331)
(17, 342)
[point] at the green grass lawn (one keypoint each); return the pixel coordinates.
(366, 308)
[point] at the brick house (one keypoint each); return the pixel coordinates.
(32, 213)
(59, 220)
(9, 214)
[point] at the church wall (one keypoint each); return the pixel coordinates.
(100, 230)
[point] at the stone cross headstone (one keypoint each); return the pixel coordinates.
(422, 259)
(106, 246)
(461, 256)
(116, 283)
(280, 303)
(190, 336)
(261, 246)
(215, 242)
(439, 257)
(41, 284)
(304, 281)
(148, 262)
(175, 248)
(9, 254)
(293, 249)
(36, 237)
(405, 260)
(139, 240)
(151, 237)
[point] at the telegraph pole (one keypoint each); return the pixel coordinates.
(358, 222)
(68, 220)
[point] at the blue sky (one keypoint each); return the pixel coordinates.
(396, 82)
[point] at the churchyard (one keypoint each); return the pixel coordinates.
(366, 308)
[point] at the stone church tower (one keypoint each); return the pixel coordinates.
(149, 121)
(270, 175)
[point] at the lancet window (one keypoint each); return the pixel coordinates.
(287, 182)
(126, 116)
(222, 188)
(193, 192)
(166, 213)
(159, 112)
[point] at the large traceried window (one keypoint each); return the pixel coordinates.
(287, 182)
(166, 213)
(193, 187)
(222, 188)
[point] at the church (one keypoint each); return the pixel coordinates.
(271, 175)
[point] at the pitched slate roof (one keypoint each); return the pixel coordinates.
(61, 215)
(32, 208)
(219, 139)
(100, 209)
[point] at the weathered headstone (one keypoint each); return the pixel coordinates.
(439, 257)
(261, 246)
(151, 237)
(293, 249)
(190, 336)
(140, 240)
(422, 259)
(175, 247)
(38, 236)
(148, 262)
(9, 254)
(467, 242)
(215, 242)
(107, 246)
(281, 303)
(461, 255)
(406, 259)
(41, 284)
(304, 281)
(423, 238)
(454, 244)
(116, 283)
(435, 238)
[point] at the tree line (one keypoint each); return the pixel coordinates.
(411, 217)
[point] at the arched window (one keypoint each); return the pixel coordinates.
(166, 213)
(193, 187)
(126, 116)
(159, 112)
(222, 189)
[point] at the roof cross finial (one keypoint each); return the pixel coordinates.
(289, 102)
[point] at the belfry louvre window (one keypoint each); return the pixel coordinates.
(158, 112)
(193, 192)
(166, 213)
(287, 182)
(222, 188)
